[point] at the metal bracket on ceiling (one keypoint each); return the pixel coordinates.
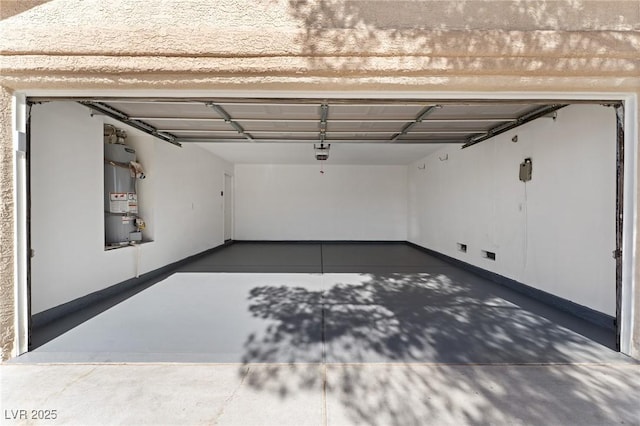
(421, 116)
(324, 113)
(543, 111)
(120, 116)
(227, 119)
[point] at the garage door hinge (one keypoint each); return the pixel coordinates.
(617, 254)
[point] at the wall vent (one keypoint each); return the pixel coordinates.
(488, 255)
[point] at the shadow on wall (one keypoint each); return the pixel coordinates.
(489, 34)
(410, 319)
(9, 8)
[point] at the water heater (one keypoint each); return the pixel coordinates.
(120, 198)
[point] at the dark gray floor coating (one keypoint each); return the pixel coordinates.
(374, 303)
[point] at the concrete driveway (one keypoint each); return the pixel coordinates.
(321, 394)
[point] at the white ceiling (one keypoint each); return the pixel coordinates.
(303, 153)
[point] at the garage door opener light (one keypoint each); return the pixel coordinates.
(322, 151)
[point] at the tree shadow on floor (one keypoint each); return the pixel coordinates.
(379, 331)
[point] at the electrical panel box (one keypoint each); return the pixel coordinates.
(526, 167)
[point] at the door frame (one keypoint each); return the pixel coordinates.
(225, 176)
(626, 201)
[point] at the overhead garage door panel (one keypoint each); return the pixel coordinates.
(433, 138)
(465, 126)
(278, 125)
(198, 134)
(147, 110)
(363, 111)
(494, 111)
(239, 111)
(363, 126)
(310, 136)
(174, 125)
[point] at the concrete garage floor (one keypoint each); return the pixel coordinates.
(326, 334)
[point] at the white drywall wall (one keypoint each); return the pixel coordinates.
(180, 199)
(556, 232)
(297, 202)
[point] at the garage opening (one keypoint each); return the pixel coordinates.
(337, 230)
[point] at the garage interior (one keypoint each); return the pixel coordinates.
(398, 247)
